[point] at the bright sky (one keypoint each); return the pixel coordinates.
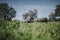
(43, 7)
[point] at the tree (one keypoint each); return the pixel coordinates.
(7, 12)
(25, 16)
(52, 16)
(31, 15)
(57, 10)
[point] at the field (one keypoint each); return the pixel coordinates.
(17, 30)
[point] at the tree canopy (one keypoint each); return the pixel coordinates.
(30, 14)
(52, 16)
(7, 12)
(57, 10)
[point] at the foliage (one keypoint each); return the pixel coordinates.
(57, 10)
(8, 29)
(17, 30)
(56, 14)
(32, 14)
(52, 16)
(6, 12)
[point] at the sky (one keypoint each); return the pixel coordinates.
(43, 7)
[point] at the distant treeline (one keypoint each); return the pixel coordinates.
(7, 13)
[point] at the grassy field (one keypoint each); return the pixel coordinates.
(17, 30)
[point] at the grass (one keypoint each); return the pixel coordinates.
(17, 30)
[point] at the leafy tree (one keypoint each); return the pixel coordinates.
(56, 14)
(25, 16)
(6, 12)
(31, 15)
(52, 16)
(57, 10)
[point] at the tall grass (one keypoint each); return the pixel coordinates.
(17, 30)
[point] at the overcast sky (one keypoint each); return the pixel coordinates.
(43, 7)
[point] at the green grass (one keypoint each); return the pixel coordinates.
(17, 30)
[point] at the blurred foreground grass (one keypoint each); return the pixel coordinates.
(17, 30)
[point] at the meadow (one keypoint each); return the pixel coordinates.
(17, 30)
